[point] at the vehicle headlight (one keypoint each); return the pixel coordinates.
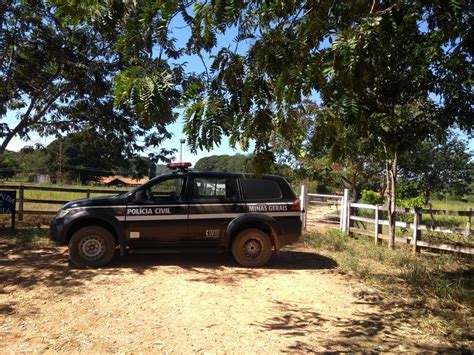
(62, 213)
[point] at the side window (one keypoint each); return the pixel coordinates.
(260, 189)
(212, 188)
(170, 189)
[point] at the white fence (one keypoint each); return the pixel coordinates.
(322, 208)
(352, 221)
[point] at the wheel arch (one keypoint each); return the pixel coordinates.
(264, 223)
(87, 220)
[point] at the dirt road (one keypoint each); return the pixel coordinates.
(198, 303)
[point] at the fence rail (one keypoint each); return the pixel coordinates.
(416, 227)
(329, 216)
(348, 219)
(21, 200)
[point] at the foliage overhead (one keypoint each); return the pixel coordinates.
(391, 57)
(389, 73)
(59, 78)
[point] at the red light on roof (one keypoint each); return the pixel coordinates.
(178, 165)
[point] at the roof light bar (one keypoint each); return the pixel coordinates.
(178, 166)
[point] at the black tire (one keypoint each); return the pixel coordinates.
(252, 248)
(92, 246)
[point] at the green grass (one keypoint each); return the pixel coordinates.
(451, 222)
(442, 283)
(30, 237)
(451, 205)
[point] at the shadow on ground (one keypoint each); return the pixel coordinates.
(366, 331)
(286, 260)
(27, 266)
(221, 268)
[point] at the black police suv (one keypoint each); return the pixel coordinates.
(183, 211)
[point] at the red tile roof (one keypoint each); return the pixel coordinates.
(122, 179)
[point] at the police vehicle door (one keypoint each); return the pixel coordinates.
(158, 214)
(214, 201)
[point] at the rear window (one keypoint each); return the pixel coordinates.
(261, 189)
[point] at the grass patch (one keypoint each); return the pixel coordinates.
(450, 205)
(30, 237)
(442, 283)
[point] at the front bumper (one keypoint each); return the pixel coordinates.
(57, 230)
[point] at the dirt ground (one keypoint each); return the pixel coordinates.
(194, 303)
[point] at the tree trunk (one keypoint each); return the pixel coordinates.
(356, 192)
(427, 196)
(391, 166)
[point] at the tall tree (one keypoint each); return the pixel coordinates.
(378, 80)
(84, 156)
(386, 62)
(438, 167)
(58, 78)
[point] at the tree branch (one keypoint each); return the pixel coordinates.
(373, 7)
(205, 67)
(26, 120)
(19, 127)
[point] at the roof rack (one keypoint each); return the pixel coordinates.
(183, 166)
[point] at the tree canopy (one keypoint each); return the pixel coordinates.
(436, 167)
(57, 78)
(292, 49)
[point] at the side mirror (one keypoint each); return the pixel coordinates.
(140, 196)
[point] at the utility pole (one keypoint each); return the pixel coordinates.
(60, 159)
(181, 142)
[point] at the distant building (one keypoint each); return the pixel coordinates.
(117, 180)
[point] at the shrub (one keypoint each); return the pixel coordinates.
(371, 197)
(407, 190)
(418, 201)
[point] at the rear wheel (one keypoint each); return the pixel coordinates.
(92, 246)
(252, 248)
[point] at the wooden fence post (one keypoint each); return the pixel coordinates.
(345, 212)
(304, 202)
(468, 224)
(342, 214)
(349, 213)
(416, 231)
(378, 228)
(21, 197)
(88, 193)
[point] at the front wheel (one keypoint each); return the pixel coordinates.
(92, 246)
(252, 248)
